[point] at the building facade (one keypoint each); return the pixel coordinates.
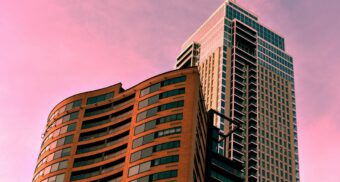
(153, 131)
(247, 75)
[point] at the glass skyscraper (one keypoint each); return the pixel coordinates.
(247, 75)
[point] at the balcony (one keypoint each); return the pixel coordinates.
(99, 157)
(104, 131)
(240, 34)
(253, 140)
(88, 173)
(103, 143)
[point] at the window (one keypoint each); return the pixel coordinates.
(57, 178)
(99, 98)
(157, 176)
(66, 107)
(150, 137)
(151, 89)
(108, 107)
(65, 152)
(63, 119)
(104, 131)
(173, 81)
(58, 143)
(154, 99)
(55, 155)
(157, 86)
(71, 127)
(150, 150)
(68, 139)
(103, 143)
(95, 171)
(72, 116)
(151, 124)
(105, 119)
(87, 160)
(52, 168)
(156, 162)
(151, 112)
(148, 101)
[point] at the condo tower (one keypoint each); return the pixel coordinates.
(247, 75)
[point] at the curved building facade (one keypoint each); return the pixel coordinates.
(153, 131)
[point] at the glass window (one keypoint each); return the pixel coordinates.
(62, 165)
(60, 142)
(53, 145)
(57, 154)
(47, 170)
(68, 139)
(56, 133)
(143, 103)
(60, 178)
(146, 152)
(63, 129)
(52, 179)
(133, 170)
(139, 129)
(66, 152)
(74, 115)
(69, 106)
(148, 101)
(156, 148)
(135, 156)
(138, 142)
(76, 103)
(173, 81)
(50, 157)
(151, 112)
(66, 118)
(146, 114)
(150, 125)
(99, 98)
(157, 86)
(54, 167)
(62, 109)
(144, 167)
(148, 138)
(71, 127)
(141, 116)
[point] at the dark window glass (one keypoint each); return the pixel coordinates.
(147, 165)
(153, 111)
(74, 115)
(76, 103)
(150, 137)
(164, 160)
(68, 139)
(99, 98)
(172, 93)
(71, 127)
(154, 99)
(173, 81)
(156, 148)
(66, 152)
(164, 175)
(151, 89)
(151, 124)
(157, 86)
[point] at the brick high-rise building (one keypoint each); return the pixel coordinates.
(247, 75)
(153, 131)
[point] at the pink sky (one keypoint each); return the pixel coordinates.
(52, 49)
